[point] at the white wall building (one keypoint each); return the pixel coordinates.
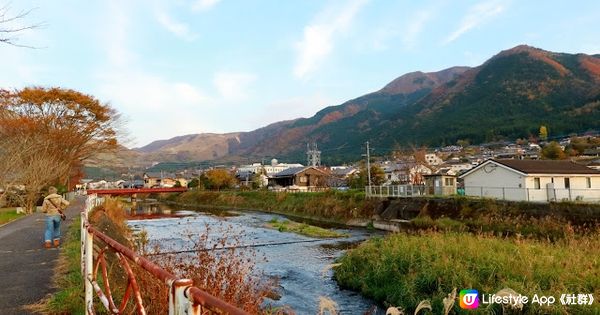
(274, 168)
(533, 180)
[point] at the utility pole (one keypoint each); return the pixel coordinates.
(369, 166)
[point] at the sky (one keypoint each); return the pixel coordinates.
(176, 67)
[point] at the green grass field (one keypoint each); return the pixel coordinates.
(8, 214)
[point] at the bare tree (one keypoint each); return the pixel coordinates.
(11, 26)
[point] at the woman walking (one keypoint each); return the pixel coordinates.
(52, 207)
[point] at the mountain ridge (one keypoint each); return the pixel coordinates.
(509, 95)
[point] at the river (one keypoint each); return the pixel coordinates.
(297, 261)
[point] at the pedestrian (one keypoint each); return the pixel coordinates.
(52, 207)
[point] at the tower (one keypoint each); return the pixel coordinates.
(313, 155)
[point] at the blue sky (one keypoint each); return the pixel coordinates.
(179, 67)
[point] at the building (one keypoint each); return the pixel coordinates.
(340, 175)
(433, 159)
(274, 168)
(440, 184)
(300, 178)
(533, 180)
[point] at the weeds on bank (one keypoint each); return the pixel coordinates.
(69, 297)
(330, 204)
(219, 267)
(404, 269)
(302, 228)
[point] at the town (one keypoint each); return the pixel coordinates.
(449, 170)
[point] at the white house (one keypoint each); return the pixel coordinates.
(272, 169)
(533, 180)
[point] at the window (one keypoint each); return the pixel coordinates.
(588, 181)
(567, 183)
(449, 181)
(536, 182)
(303, 179)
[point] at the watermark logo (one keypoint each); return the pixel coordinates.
(469, 299)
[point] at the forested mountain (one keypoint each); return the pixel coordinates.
(508, 96)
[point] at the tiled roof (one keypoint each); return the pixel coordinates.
(290, 171)
(547, 167)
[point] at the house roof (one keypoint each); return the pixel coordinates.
(541, 167)
(547, 167)
(294, 170)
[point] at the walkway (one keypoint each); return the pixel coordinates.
(26, 268)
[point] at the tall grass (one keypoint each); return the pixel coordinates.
(404, 269)
(330, 204)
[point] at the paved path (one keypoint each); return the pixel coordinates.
(26, 268)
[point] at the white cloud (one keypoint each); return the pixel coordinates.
(179, 29)
(477, 14)
(233, 86)
(415, 26)
(319, 37)
(203, 5)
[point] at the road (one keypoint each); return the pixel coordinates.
(26, 267)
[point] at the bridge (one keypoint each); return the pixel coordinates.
(133, 191)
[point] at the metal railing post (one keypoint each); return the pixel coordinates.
(89, 266)
(179, 303)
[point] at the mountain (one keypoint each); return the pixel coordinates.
(508, 96)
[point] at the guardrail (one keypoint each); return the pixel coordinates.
(395, 191)
(184, 298)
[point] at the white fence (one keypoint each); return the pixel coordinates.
(532, 194)
(395, 191)
(503, 193)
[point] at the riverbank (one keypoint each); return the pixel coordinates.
(460, 214)
(404, 269)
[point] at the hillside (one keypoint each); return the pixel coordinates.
(508, 96)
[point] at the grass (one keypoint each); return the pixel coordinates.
(334, 205)
(404, 269)
(9, 214)
(69, 298)
(302, 228)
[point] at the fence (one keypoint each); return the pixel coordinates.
(395, 191)
(184, 298)
(542, 194)
(504, 193)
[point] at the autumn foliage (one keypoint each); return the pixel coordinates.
(51, 130)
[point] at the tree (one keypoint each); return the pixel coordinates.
(360, 179)
(194, 183)
(543, 133)
(48, 132)
(219, 178)
(553, 151)
(11, 26)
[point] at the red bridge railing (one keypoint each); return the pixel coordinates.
(131, 191)
(184, 298)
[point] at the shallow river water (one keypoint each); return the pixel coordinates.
(297, 261)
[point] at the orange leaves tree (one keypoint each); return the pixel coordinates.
(218, 179)
(55, 127)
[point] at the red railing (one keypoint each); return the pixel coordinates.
(131, 191)
(184, 298)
